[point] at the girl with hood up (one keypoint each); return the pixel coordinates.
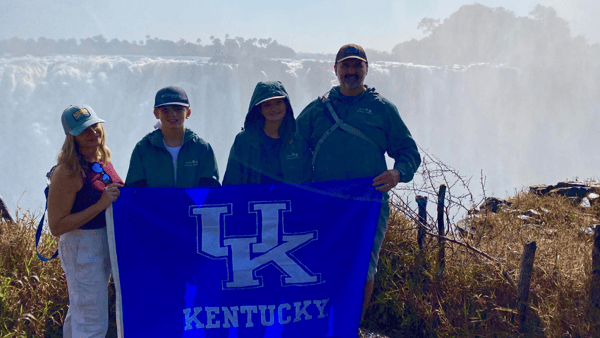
(268, 149)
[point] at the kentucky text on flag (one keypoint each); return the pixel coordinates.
(267, 260)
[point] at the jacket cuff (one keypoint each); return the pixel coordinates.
(398, 167)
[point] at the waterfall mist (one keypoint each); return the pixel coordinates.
(520, 126)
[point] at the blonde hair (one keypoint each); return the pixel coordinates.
(70, 157)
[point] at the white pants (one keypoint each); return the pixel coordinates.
(84, 258)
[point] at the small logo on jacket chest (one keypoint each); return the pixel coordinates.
(292, 156)
(364, 111)
(192, 163)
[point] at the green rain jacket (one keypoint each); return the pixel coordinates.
(344, 155)
(245, 166)
(151, 165)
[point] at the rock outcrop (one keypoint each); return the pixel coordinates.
(575, 191)
(583, 194)
(4, 213)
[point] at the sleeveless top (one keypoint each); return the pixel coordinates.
(90, 193)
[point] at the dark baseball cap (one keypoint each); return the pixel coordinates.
(171, 95)
(351, 51)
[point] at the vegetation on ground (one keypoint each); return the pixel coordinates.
(475, 296)
(33, 294)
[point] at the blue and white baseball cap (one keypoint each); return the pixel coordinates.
(77, 118)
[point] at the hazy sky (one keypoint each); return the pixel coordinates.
(306, 26)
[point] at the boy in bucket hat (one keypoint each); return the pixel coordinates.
(172, 156)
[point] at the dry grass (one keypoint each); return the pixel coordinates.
(33, 294)
(472, 298)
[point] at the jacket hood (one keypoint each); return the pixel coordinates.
(263, 91)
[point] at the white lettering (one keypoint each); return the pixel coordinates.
(208, 229)
(244, 266)
(249, 310)
(211, 312)
(230, 318)
(244, 255)
(300, 311)
(263, 315)
(280, 313)
(189, 319)
(321, 307)
(269, 215)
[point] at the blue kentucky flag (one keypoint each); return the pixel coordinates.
(267, 260)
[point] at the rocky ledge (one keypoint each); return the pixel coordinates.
(583, 194)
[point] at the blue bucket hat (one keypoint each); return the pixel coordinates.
(77, 118)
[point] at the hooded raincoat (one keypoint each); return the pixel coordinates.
(247, 162)
(344, 155)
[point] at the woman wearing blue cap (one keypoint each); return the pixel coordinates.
(84, 184)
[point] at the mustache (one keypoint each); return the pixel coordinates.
(350, 76)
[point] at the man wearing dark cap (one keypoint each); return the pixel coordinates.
(349, 130)
(172, 156)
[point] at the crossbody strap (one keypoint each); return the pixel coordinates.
(326, 134)
(338, 124)
(38, 233)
